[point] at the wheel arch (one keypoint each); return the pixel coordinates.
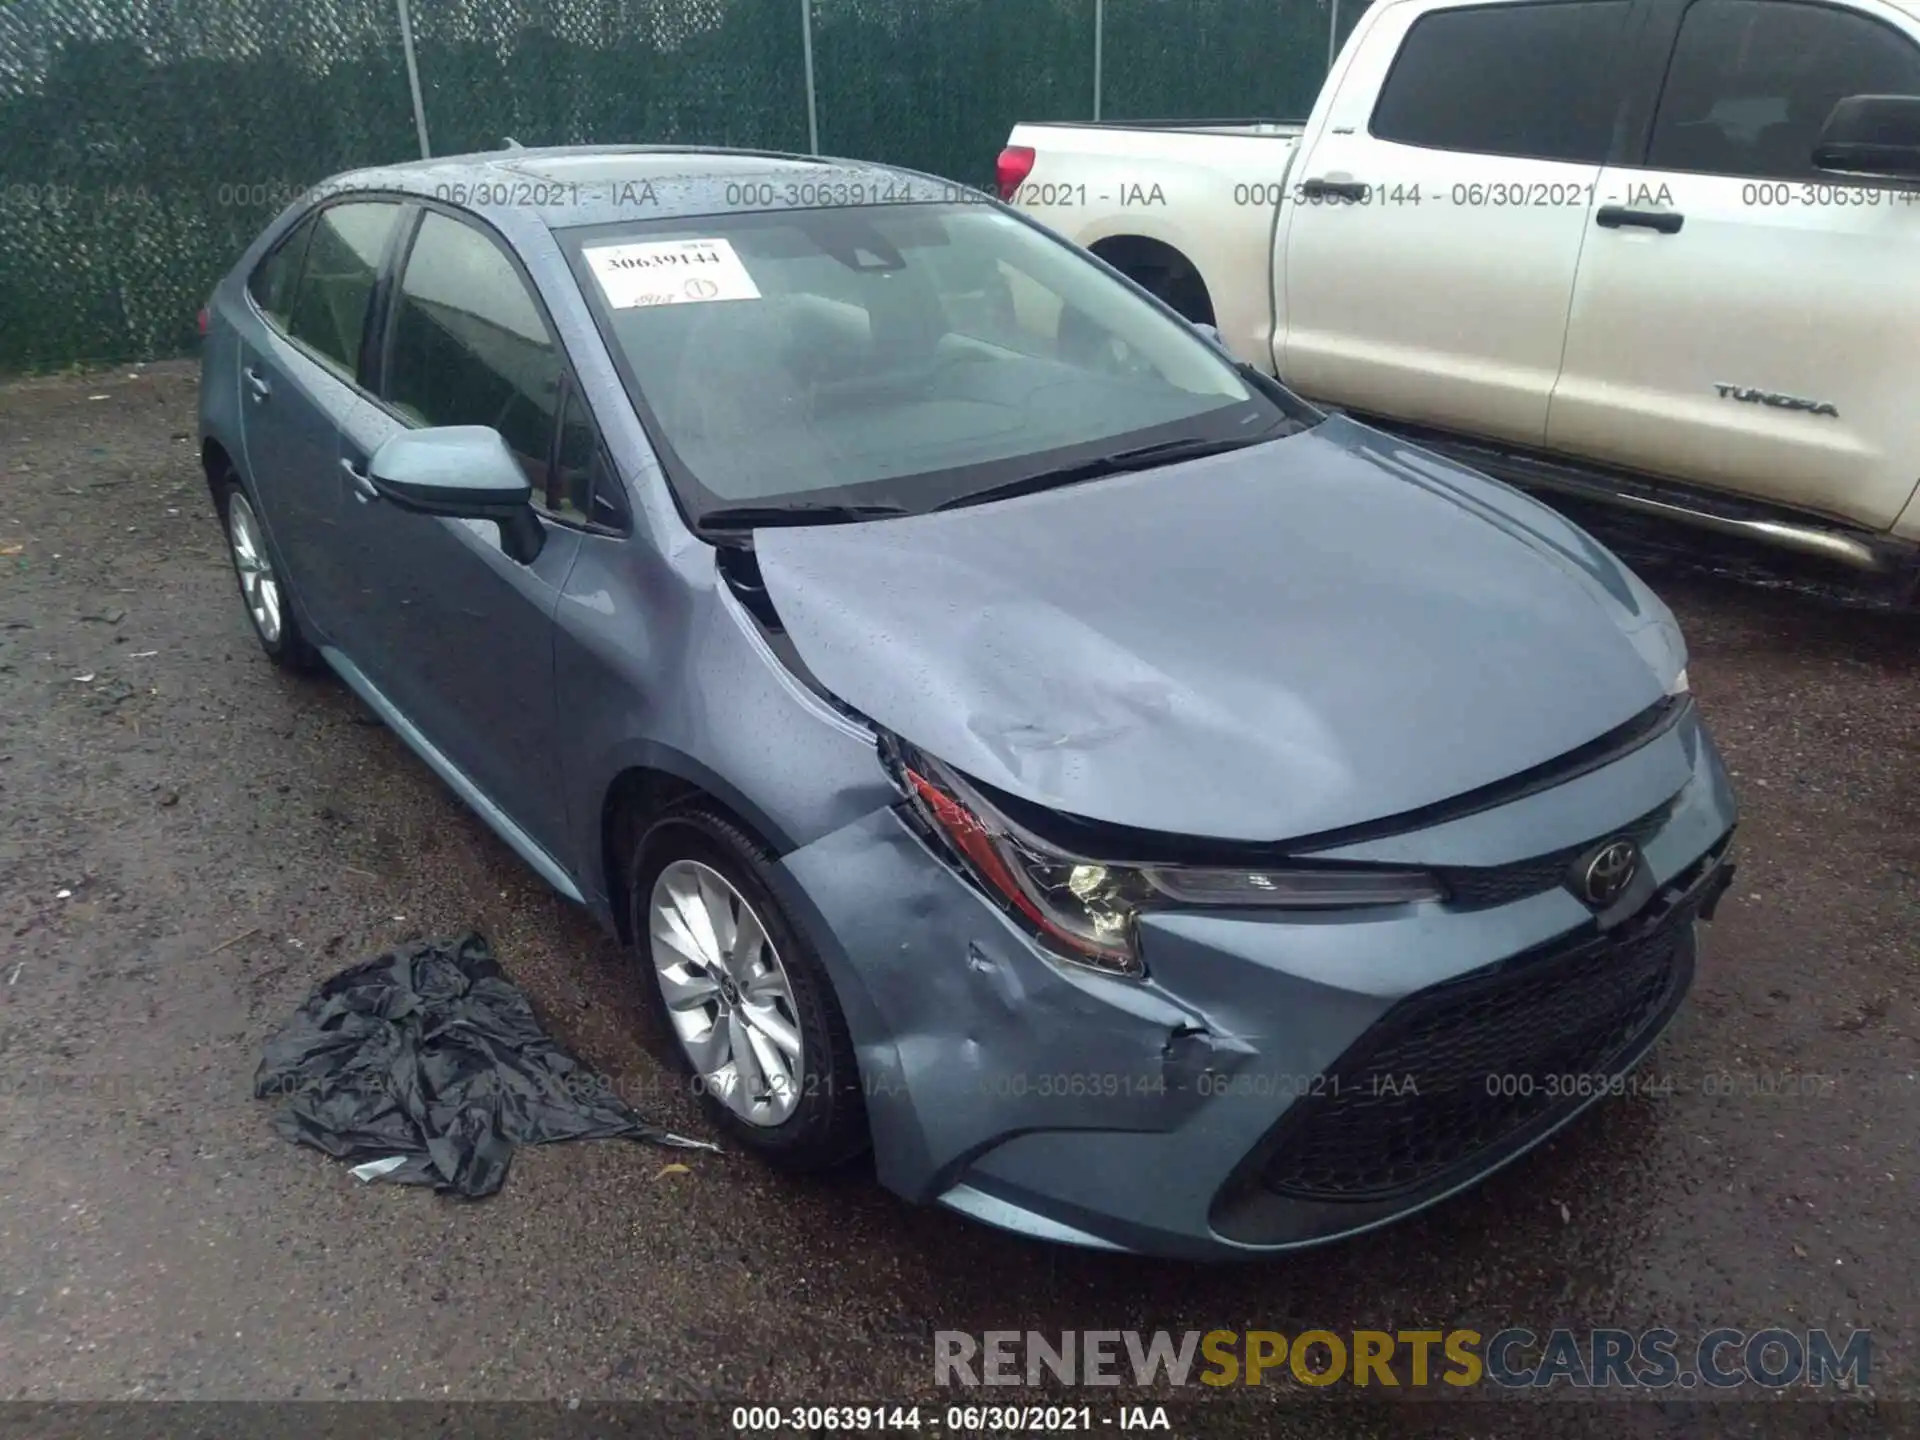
(648, 785)
(1164, 269)
(216, 462)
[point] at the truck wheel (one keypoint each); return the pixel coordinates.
(1163, 272)
(1183, 290)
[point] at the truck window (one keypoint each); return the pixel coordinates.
(1753, 81)
(1536, 81)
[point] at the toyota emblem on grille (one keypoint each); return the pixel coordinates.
(1608, 873)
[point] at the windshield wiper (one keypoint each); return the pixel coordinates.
(753, 517)
(1141, 457)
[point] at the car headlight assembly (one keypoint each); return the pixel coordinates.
(1084, 909)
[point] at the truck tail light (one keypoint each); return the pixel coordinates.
(1014, 165)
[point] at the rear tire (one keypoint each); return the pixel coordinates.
(263, 584)
(746, 1007)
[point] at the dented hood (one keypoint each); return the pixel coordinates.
(1326, 629)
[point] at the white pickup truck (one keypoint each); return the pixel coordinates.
(1661, 253)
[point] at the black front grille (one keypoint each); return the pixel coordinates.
(1476, 887)
(1452, 1074)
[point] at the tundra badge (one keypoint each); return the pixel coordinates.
(1778, 401)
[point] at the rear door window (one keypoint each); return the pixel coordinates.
(1752, 83)
(1532, 81)
(343, 263)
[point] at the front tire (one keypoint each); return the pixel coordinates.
(263, 589)
(744, 1001)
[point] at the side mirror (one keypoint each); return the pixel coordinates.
(462, 472)
(1872, 135)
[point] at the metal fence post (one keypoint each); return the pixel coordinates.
(413, 79)
(806, 52)
(1099, 52)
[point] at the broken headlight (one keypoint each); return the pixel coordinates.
(1085, 909)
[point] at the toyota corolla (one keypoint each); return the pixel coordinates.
(1012, 737)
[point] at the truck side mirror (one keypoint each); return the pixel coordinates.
(1872, 135)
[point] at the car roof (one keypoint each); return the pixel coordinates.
(572, 185)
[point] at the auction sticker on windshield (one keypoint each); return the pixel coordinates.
(670, 272)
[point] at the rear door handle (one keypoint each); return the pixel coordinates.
(363, 487)
(1613, 217)
(257, 383)
(1321, 188)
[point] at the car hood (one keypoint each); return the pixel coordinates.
(1279, 641)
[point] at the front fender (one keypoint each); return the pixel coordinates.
(687, 687)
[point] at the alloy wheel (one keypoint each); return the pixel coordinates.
(727, 992)
(258, 584)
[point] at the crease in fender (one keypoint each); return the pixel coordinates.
(794, 686)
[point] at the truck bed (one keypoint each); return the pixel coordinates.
(1257, 127)
(1205, 191)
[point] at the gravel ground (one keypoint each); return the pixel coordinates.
(191, 840)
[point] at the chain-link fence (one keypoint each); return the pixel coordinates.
(144, 142)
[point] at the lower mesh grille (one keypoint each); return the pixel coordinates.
(1452, 1072)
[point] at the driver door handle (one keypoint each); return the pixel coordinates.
(257, 383)
(1613, 217)
(363, 487)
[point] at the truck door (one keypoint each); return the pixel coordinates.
(1742, 319)
(1431, 237)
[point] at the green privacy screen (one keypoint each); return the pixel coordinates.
(144, 142)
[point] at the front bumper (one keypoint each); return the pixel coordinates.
(1262, 1089)
(1457, 1080)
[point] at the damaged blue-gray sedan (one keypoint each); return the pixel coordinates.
(1012, 736)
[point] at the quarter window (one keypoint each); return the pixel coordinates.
(343, 260)
(274, 278)
(470, 347)
(1535, 81)
(584, 489)
(1752, 83)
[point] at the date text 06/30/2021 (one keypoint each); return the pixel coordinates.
(949, 1419)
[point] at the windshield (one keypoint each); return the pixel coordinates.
(791, 364)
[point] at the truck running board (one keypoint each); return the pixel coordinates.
(1783, 529)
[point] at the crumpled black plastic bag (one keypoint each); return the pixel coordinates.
(430, 1053)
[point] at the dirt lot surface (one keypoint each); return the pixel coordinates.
(189, 841)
